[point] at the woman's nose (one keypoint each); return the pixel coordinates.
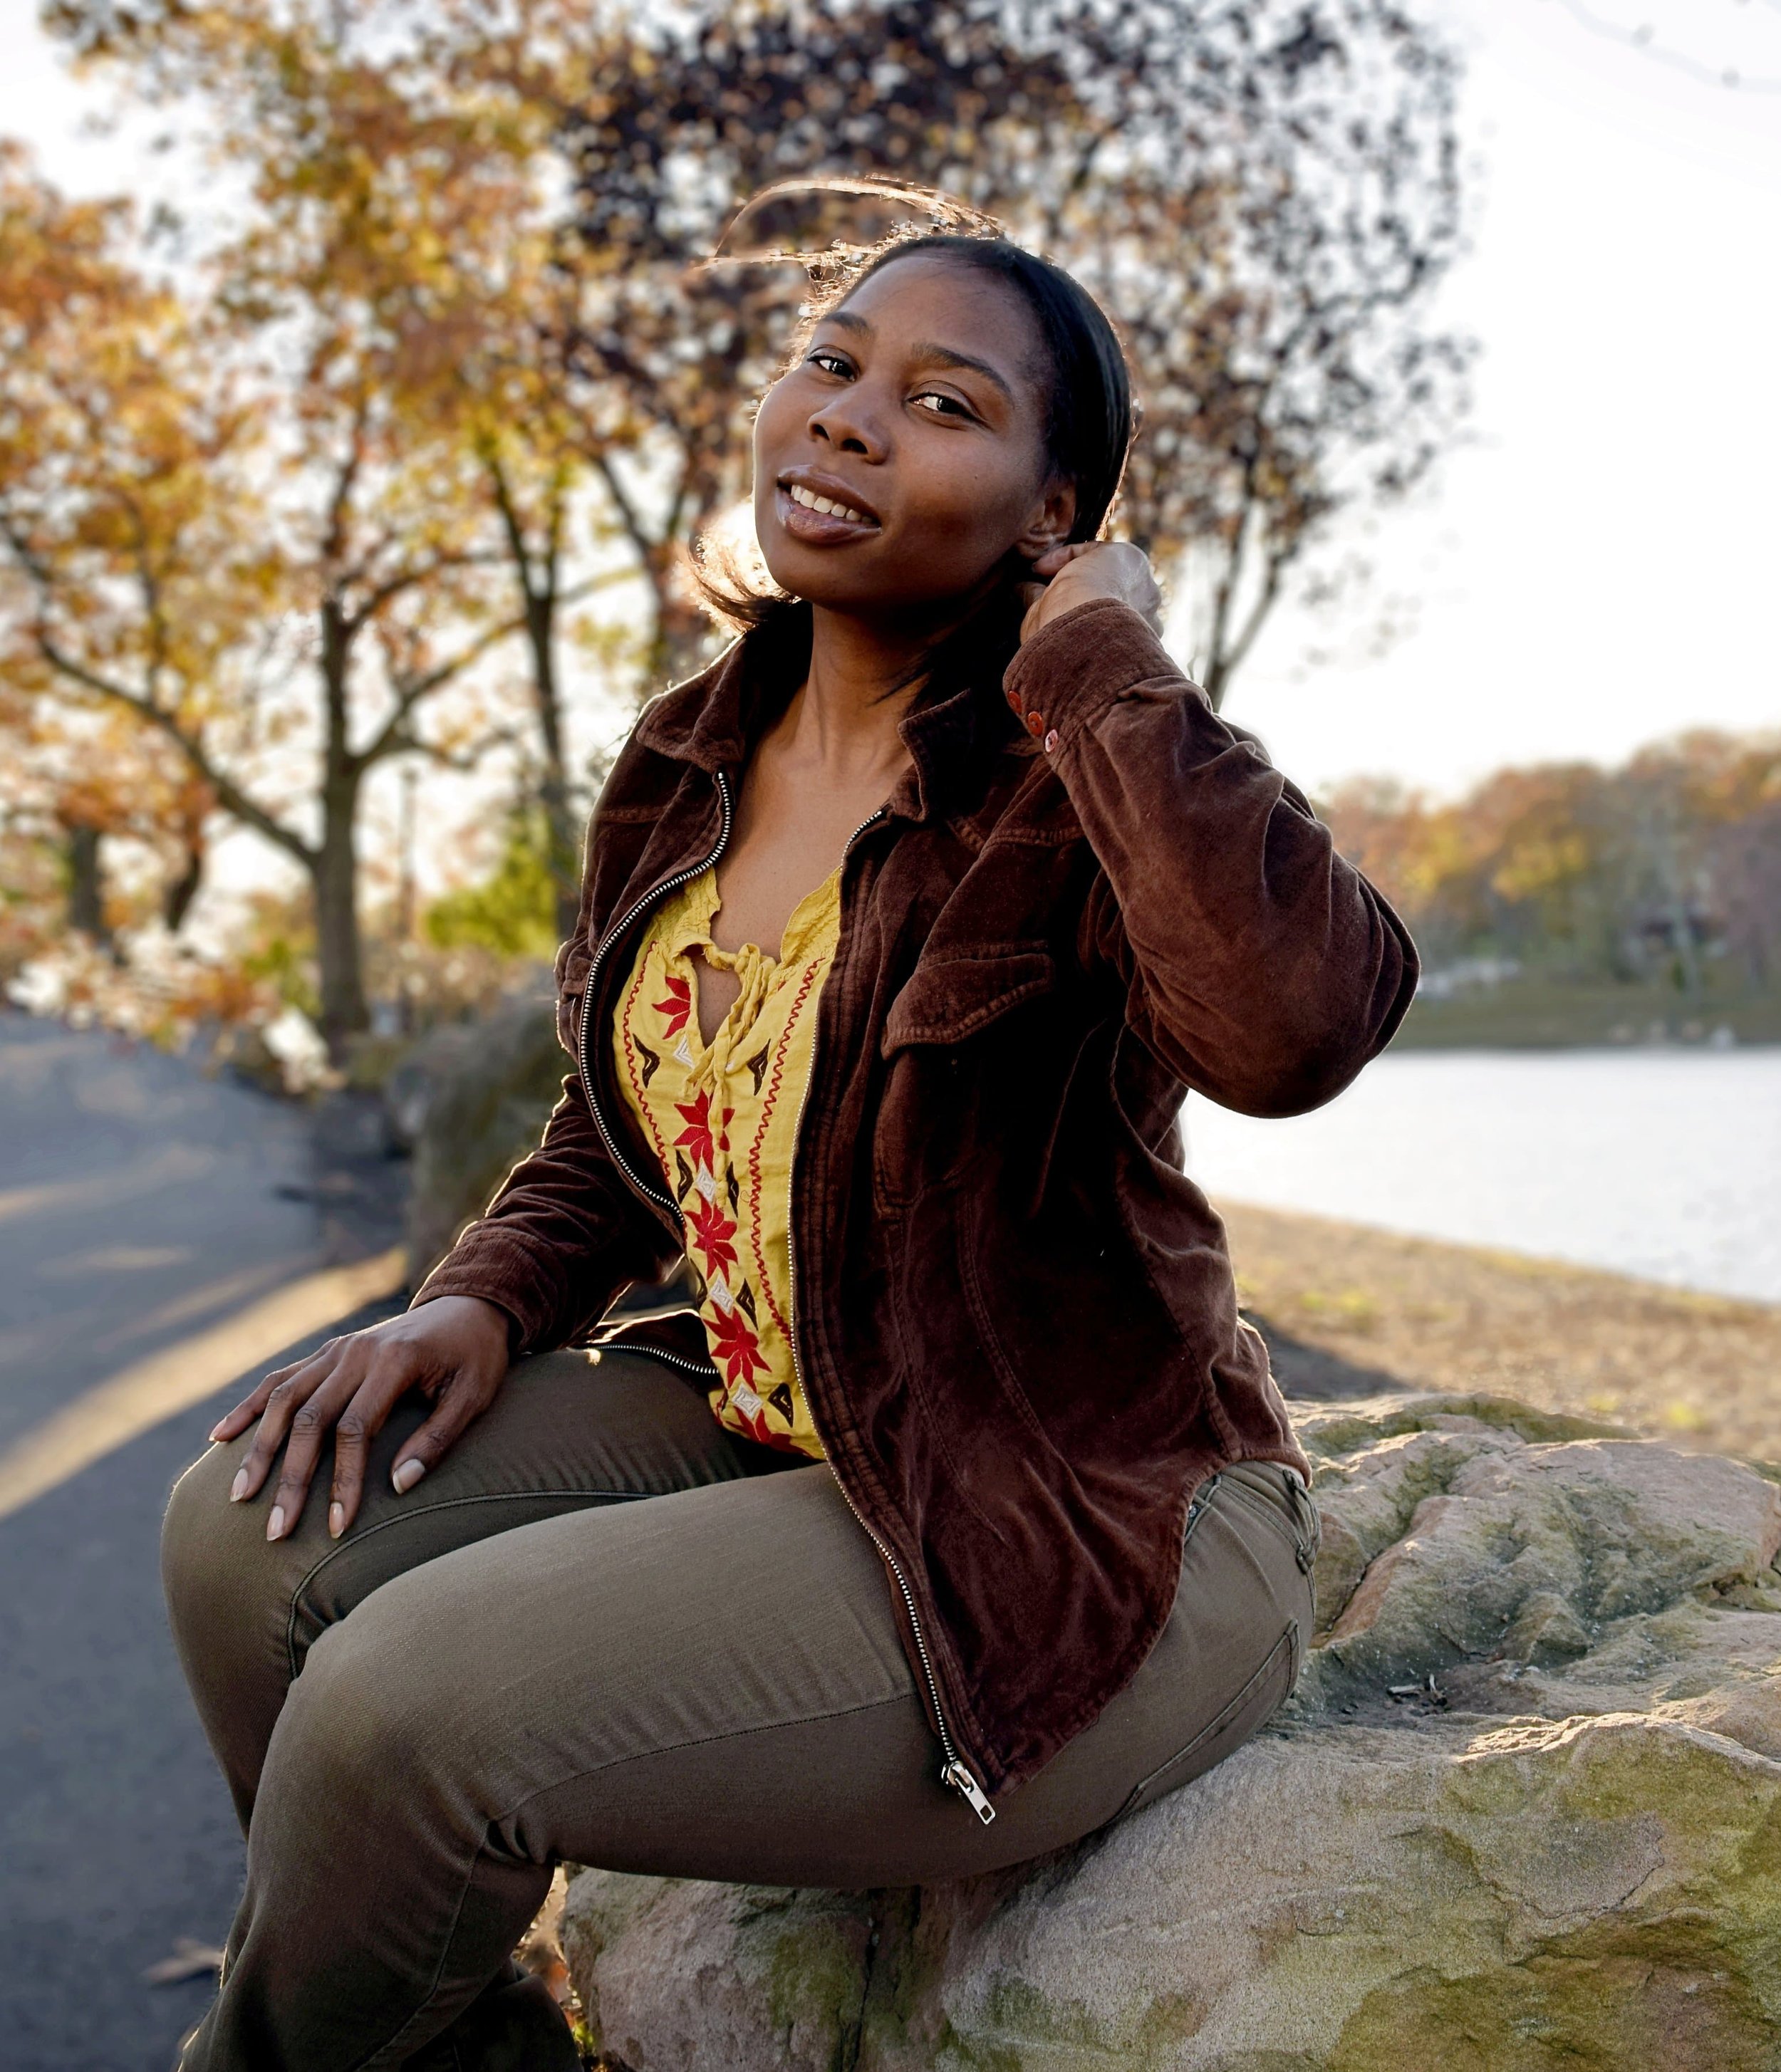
(849, 422)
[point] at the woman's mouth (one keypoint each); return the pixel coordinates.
(821, 517)
(825, 504)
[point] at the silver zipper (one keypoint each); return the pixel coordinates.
(674, 884)
(703, 1369)
(953, 1769)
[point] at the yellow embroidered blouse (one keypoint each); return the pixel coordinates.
(722, 1119)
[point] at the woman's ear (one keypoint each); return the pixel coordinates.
(1049, 522)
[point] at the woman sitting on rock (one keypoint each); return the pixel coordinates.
(963, 1515)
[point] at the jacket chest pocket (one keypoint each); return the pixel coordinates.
(940, 1042)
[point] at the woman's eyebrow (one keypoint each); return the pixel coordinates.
(945, 356)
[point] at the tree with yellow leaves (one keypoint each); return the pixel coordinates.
(401, 221)
(236, 518)
(130, 583)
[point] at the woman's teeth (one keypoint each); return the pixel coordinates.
(811, 501)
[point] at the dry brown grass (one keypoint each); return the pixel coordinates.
(1703, 1370)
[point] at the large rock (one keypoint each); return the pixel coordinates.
(470, 1100)
(1523, 1813)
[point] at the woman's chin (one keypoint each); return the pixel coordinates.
(826, 585)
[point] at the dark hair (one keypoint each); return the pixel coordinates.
(1088, 432)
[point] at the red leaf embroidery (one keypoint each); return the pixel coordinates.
(758, 1428)
(677, 1006)
(733, 1346)
(698, 1136)
(712, 1230)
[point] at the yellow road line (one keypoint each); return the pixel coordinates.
(161, 1168)
(198, 1304)
(115, 1410)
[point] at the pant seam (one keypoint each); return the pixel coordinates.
(422, 1510)
(1230, 1709)
(574, 1777)
(704, 1741)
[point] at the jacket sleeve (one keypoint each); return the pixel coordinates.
(1258, 966)
(565, 1231)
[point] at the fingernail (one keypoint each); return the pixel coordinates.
(336, 1520)
(237, 1489)
(217, 1429)
(407, 1475)
(275, 1525)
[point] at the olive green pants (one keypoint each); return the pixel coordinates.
(519, 1662)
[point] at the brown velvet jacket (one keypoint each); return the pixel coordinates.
(1016, 1322)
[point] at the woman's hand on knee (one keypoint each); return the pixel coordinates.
(452, 1350)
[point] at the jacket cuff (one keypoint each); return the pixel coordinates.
(1076, 667)
(486, 1264)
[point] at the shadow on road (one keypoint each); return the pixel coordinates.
(116, 1837)
(151, 1220)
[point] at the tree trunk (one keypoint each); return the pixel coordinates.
(683, 636)
(540, 613)
(1218, 678)
(683, 642)
(179, 892)
(336, 868)
(337, 944)
(537, 575)
(86, 885)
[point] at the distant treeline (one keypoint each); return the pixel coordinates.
(1666, 869)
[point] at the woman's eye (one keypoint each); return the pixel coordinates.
(830, 362)
(940, 404)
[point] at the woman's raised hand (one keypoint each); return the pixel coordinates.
(452, 1350)
(1065, 577)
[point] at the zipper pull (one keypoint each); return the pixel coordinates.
(967, 1786)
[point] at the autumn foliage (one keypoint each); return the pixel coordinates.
(1667, 869)
(412, 441)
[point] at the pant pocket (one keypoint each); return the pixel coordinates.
(1276, 1494)
(1251, 1706)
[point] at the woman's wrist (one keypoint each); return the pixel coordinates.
(1089, 572)
(477, 1314)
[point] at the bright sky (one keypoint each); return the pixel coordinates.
(1597, 567)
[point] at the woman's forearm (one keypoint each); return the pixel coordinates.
(562, 1237)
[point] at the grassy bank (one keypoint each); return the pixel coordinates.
(1342, 1304)
(1543, 1014)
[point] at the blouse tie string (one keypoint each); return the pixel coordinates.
(756, 972)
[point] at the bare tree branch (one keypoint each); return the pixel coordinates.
(229, 794)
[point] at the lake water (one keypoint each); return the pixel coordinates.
(1662, 1164)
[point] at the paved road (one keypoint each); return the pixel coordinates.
(139, 1203)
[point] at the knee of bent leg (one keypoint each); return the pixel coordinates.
(214, 1560)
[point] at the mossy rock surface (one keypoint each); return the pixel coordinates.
(1562, 1854)
(472, 1100)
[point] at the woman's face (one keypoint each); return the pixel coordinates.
(917, 413)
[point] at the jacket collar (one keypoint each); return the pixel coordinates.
(701, 720)
(713, 719)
